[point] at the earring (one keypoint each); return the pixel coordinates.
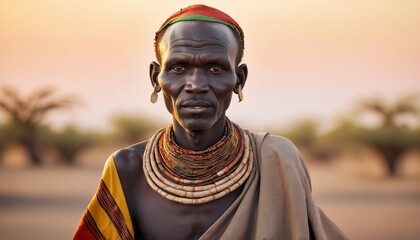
(154, 96)
(240, 94)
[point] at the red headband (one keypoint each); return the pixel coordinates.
(202, 13)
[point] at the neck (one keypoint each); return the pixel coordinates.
(198, 140)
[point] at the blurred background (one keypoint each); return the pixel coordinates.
(339, 78)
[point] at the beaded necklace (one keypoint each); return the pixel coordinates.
(196, 177)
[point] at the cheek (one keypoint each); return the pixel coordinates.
(168, 103)
(226, 101)
(223, 93)
(170, 87)
(170, 91)
(223, 89)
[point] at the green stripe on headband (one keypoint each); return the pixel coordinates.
(202, 18)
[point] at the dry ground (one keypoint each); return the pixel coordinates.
(47, 203)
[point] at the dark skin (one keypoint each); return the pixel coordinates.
(197, 75)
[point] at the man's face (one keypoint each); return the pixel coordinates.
(198, 72)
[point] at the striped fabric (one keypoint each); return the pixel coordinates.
(107, 215)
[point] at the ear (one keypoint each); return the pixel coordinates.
(242, 75)
(154, 71)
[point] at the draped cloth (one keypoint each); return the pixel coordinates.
(107, 215)
(275, 203)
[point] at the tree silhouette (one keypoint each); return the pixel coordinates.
(69, 142)
(391, 138)
(7, 136)
(390, 113)
(28, 113)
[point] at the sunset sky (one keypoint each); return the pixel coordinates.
(305, 58)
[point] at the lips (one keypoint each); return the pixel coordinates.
(196, 107)
(196, 104)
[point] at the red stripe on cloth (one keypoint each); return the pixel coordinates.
(83, 232)
(91, 224)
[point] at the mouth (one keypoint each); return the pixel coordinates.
(196, 104)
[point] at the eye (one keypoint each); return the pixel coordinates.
(215, 69)
(178, 69)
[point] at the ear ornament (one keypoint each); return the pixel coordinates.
(240, 94)
(154, 97)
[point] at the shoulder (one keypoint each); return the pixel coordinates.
(279, 140)
(127, 152)
(273, 143)
(278, 152)
(130, 157)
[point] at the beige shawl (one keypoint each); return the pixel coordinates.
(276, 202)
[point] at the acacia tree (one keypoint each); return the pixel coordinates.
(390, 113)
(69, 142)
(26, 114)
(391, 138)
(7, 136)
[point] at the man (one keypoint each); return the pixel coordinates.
(203, 177)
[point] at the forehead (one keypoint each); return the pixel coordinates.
(198, 35)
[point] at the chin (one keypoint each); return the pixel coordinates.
(197, 124)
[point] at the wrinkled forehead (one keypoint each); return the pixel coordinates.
(198, 33)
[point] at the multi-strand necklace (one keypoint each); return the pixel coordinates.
(196, 177)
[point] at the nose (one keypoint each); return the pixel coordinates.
(196, 82)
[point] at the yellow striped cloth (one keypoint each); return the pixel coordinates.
(107, 215)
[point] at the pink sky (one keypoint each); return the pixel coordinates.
(306, 58)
